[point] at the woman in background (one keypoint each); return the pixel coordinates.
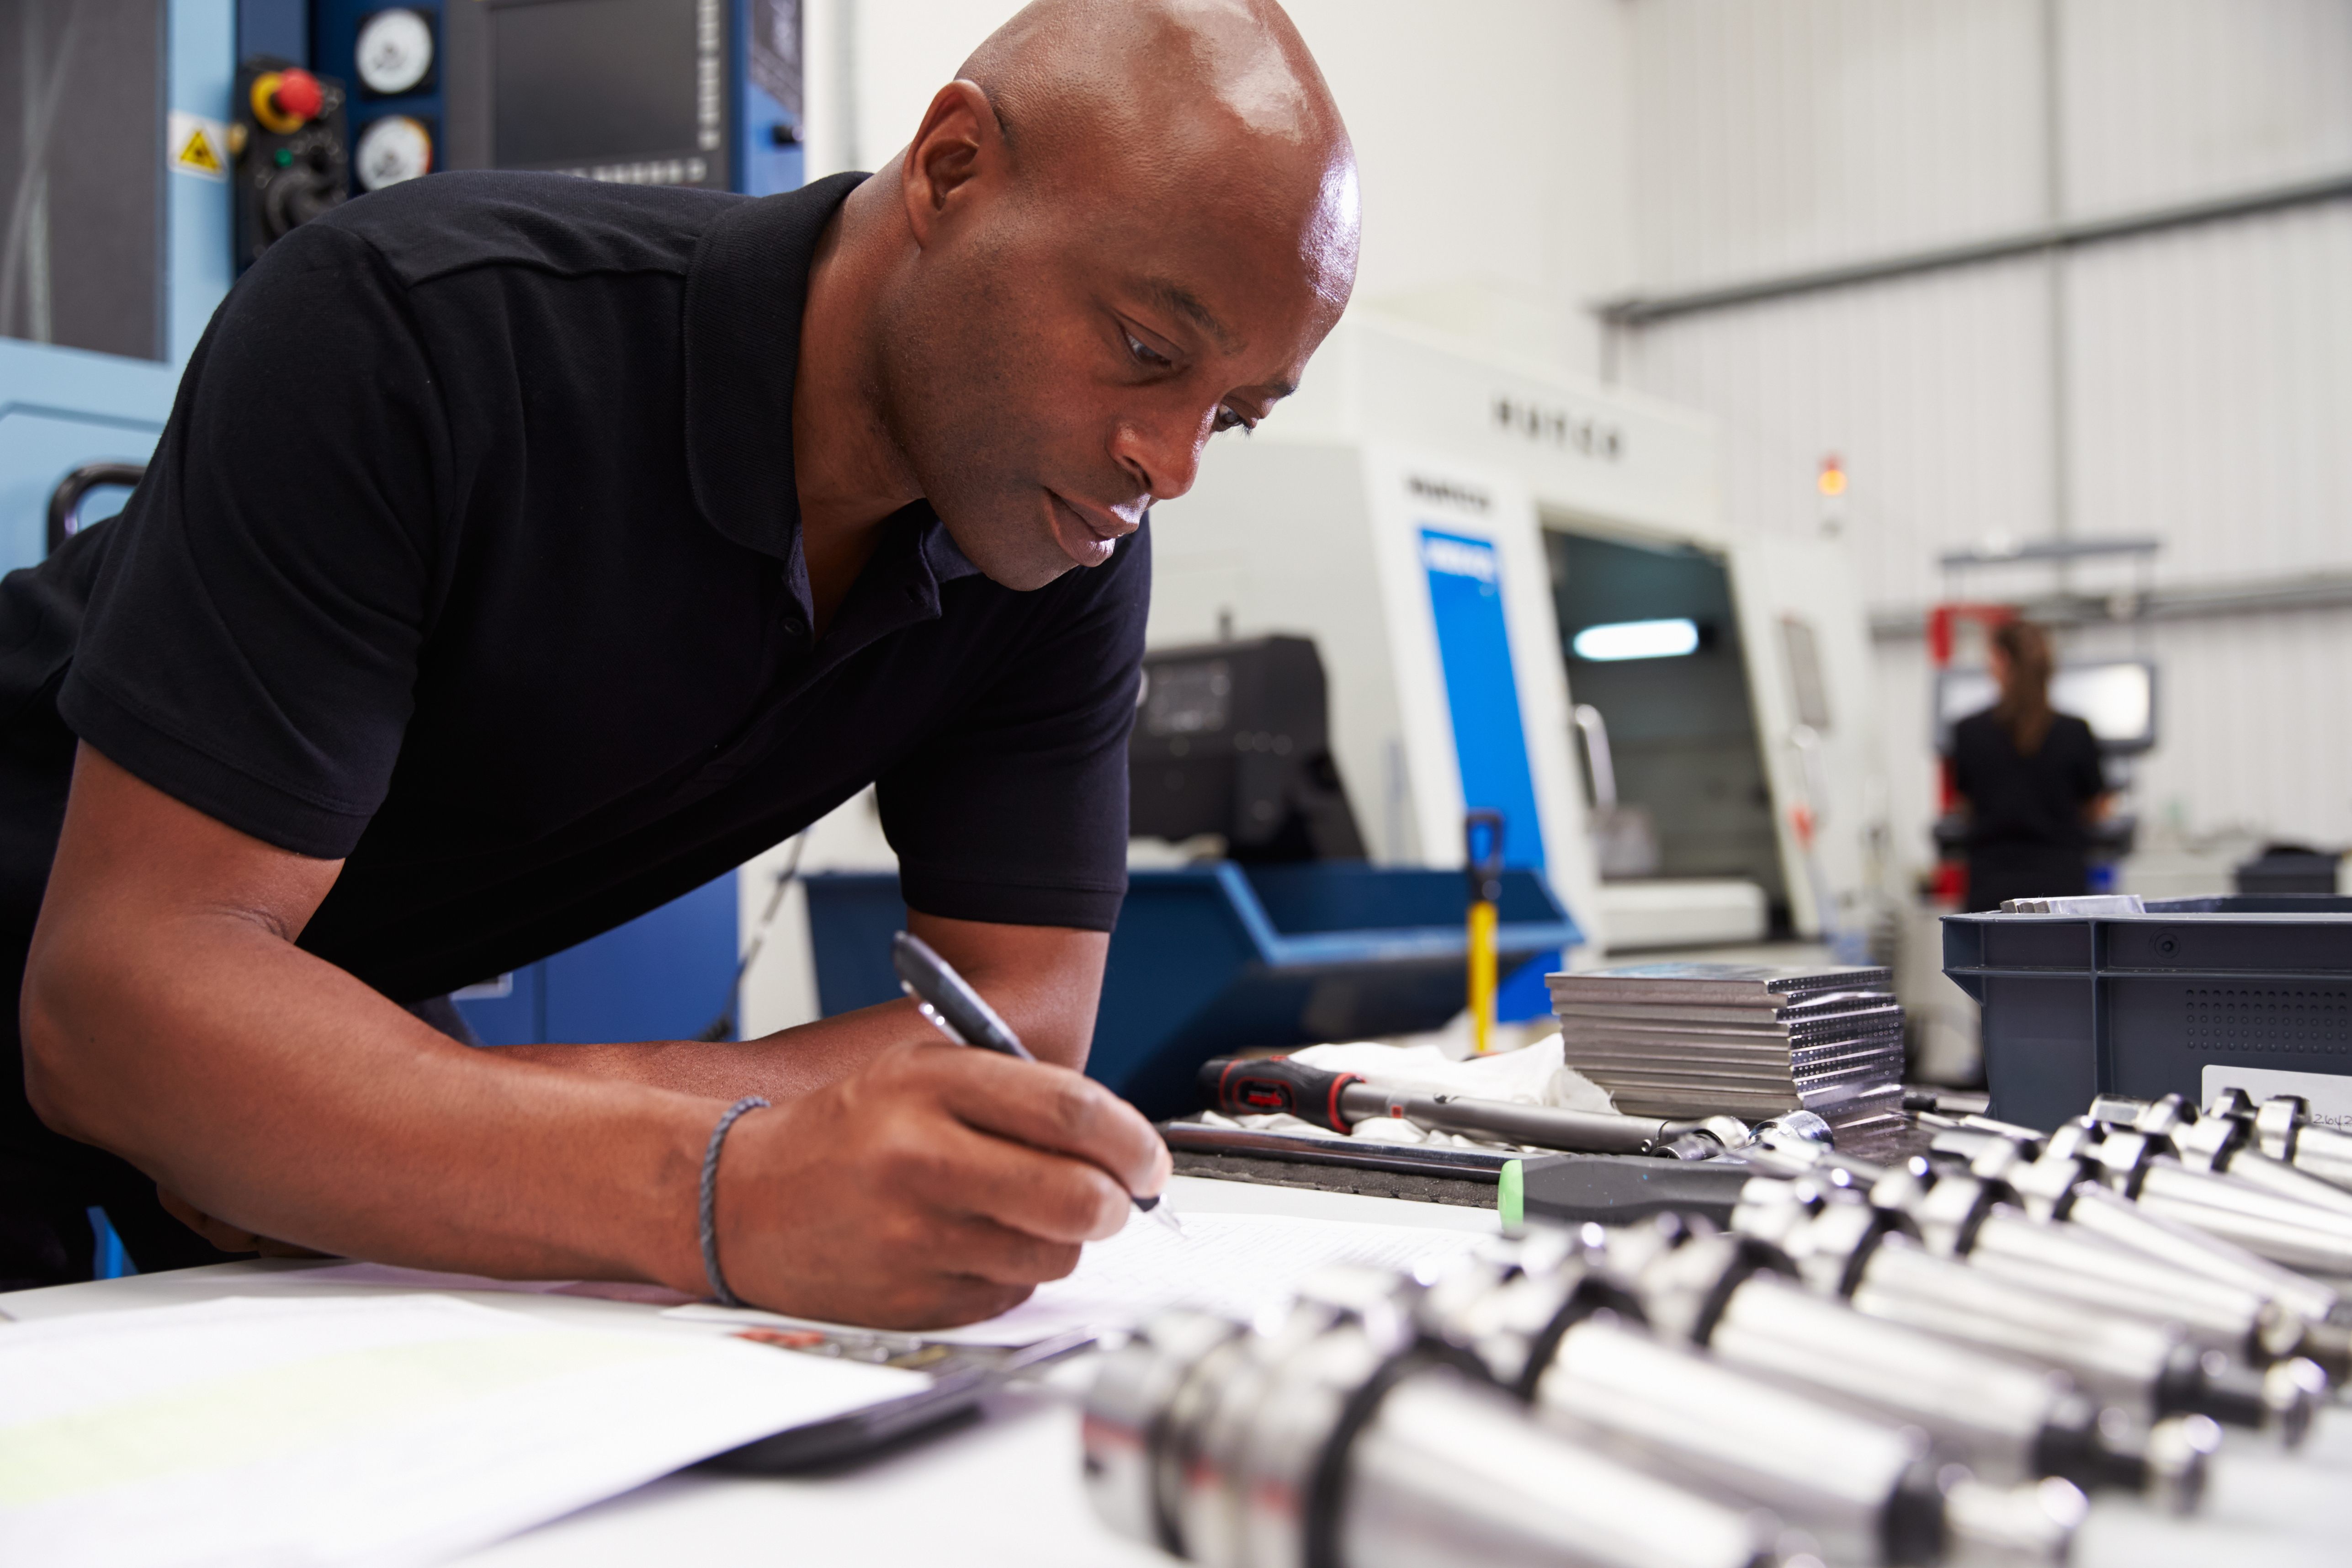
(2031, 780)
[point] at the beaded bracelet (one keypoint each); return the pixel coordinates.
(709, 1194)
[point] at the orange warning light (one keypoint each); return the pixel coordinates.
(1833, 477)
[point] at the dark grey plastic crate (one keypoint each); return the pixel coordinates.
(2076, 1005)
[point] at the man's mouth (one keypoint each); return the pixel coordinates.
(1087, 534)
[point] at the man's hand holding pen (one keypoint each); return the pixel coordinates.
(937, 1186)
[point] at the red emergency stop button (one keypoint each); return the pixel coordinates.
(299, 95)
(284, 101)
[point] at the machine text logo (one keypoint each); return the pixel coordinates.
(1559, 427)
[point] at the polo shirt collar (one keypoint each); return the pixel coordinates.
(940, 553)
(744, 297)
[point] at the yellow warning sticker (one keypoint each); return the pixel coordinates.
(196, 154)
(195, 145)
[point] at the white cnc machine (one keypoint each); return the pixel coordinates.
(1414, 510)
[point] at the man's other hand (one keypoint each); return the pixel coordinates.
(938, 1186)
(224, 1235)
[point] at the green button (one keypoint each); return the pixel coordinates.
(284, 157)
(1512, 1201)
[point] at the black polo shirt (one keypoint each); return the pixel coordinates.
(472, 555)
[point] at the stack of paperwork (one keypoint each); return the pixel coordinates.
(377, 1432)
(404, 1426)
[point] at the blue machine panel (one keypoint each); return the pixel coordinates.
(663, 976)
(63, 408)
(1490, 742)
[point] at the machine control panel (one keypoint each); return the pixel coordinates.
(292, 159)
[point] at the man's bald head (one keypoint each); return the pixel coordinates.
(1242, 58)
(1130, 223)
(1213, 92)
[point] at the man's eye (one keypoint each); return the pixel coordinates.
(1234, 419)
(1145, 354)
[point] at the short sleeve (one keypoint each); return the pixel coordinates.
(1015, 811)
(251, 645)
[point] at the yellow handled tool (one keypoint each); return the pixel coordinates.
(1482, 846)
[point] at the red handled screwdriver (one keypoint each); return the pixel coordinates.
(1244, 1086)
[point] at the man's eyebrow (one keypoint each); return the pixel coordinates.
(1185, 302)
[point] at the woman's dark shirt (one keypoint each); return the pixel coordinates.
(2026, 801)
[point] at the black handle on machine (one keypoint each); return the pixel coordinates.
(1253, 1086)
(65, 501)
(1483, 868)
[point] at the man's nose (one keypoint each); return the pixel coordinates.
(1161, 450)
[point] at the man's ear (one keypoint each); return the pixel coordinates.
(958, 144)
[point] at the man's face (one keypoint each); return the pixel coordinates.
(1068, 346)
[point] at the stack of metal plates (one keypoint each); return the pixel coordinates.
(1746, 1040)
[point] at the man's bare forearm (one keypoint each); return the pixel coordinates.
(167, 1015)
(779, 1067)
(277, 1092)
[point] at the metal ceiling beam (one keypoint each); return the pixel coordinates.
(2047, 550)
(2316, 591)
(1639, 310)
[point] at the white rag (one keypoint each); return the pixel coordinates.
(1537, 1075)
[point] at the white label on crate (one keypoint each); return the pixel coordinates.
(2329, 1094)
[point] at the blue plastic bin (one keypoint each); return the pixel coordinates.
(1217, 958)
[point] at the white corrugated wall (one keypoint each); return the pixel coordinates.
(1785, 134)
(2207, 371)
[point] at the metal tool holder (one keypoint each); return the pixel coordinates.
(1936, 1360)
(1558, 1331)
(1329, 1436)
(1869, 1255)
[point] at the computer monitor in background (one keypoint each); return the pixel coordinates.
(632, 92)
(2116, 697)
(1232, 740)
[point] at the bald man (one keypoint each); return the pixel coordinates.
(522, 553)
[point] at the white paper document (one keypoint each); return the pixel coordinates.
(361, 1432)
(389, 1277)
(1229, 1263)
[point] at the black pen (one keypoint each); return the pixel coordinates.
(947, 1000)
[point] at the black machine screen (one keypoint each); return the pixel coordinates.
(590, 81)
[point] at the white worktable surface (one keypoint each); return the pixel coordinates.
(1006, 1490)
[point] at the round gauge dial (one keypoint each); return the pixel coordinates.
(394, 53)
(391, 150)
